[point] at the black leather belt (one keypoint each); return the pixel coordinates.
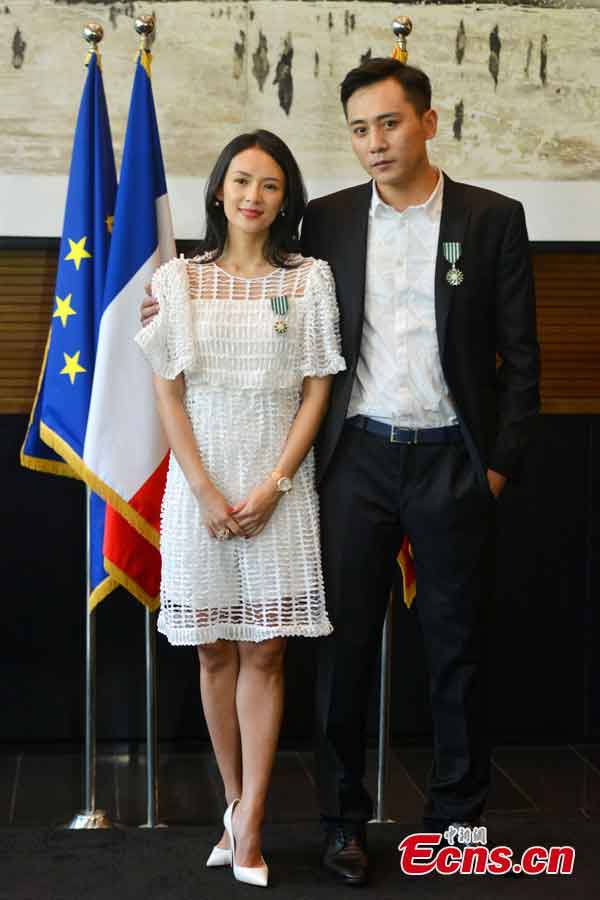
(450, 434)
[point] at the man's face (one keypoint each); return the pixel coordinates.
(388, 134)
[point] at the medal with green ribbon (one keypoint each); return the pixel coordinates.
(452, 251)
(280, 307)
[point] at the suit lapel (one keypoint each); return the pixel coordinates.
(453, 227)
(355, 258)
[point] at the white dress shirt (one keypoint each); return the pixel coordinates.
(399, 378)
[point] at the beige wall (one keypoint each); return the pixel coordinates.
(207, 90)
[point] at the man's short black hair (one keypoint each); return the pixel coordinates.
(416, 84)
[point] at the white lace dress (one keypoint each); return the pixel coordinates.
(243, 380)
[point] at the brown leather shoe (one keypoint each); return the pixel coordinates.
(345, 853)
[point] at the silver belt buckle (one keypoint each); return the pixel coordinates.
(394, 440)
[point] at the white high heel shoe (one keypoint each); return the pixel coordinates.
(218, 857)
(256, 875)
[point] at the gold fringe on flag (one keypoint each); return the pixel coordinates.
(405, 560)
(400, 55)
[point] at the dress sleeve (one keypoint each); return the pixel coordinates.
(321, 352)
(168, 340)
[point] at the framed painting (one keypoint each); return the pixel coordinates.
(517, 87)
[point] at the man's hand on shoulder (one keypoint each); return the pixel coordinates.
(149, 307)
(496, 482)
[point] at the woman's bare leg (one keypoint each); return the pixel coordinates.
(259, 702)
(219, 668)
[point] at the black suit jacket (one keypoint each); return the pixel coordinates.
(486, 327)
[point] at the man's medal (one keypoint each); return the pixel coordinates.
(452, 251)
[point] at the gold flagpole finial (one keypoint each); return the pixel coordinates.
(402, 27)
(146, 27)
(93, 34)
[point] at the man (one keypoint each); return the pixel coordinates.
(434, 282)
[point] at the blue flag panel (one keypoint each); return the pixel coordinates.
(64, 388)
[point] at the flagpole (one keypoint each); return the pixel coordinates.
(383, 745)
(145, 26)
(89, 817)
(151, 725)
(402, 27)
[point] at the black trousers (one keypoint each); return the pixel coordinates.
(374, 493)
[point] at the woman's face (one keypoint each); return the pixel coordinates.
(253, 191)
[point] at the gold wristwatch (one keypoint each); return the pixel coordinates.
(282, 482)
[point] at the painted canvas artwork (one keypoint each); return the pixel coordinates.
(517, 87)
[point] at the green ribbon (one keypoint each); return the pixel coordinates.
(452, 251)
(280, 305)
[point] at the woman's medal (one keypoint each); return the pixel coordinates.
(280, 307)
(452, 251)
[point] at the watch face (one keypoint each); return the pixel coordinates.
(284, 484)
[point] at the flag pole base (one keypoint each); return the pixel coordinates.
(153, 825)
(89, 818)
(381, 822)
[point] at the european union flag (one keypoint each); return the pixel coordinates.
(62, 402)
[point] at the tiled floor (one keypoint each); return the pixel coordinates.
(42, 785)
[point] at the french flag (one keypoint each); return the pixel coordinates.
(125, 447)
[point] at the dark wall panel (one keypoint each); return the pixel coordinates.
(591, 643)
(545, 671)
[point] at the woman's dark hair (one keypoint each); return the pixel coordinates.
(416, 84)
(283, 233)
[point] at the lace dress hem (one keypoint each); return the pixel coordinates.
(208, 634)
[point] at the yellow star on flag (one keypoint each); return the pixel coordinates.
(64, 309)
(77, 252)
(72, 367)
(109, 223)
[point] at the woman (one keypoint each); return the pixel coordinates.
(244, 348)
